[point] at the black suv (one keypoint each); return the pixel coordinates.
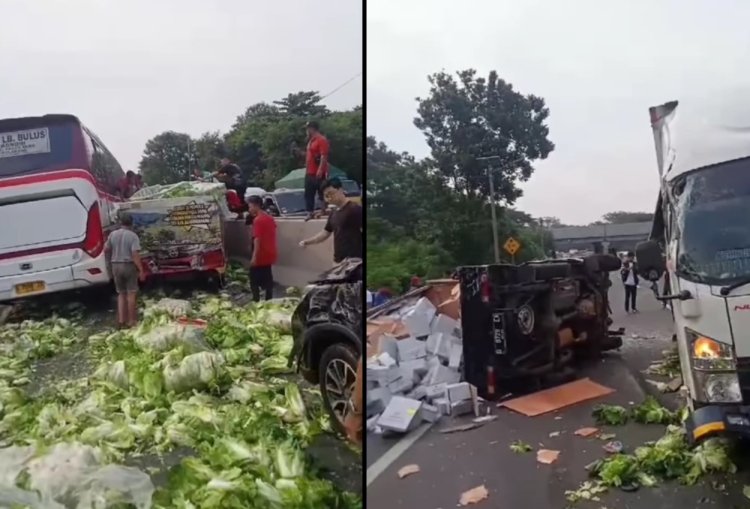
(327, 328)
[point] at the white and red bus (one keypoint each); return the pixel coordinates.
(58, 183)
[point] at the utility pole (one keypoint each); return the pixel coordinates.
(495, 242)
(492, 202)
(494, 216)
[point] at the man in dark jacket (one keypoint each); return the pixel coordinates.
(629, 273)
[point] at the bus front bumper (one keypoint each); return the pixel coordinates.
(715, 420)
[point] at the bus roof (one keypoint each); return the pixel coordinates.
(53, 118)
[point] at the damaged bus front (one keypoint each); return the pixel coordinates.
(701, 237)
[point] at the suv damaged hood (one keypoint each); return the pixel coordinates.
(334, 297)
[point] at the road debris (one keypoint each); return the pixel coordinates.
(547, 456)
(462, 427)
(587, 491)
(586, 432)
(485, 418)
(606, 436)
(474, 495)
(562, 396)
(746, 491)
(520, 447)
(613, 447)
(408, 470)
(554, 434)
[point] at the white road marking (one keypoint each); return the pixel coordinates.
(395, 452)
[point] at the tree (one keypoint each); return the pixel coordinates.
(302, 104)
(477, 117)
(409, 201)
(209, 149)
(621, 217)
(168, 158)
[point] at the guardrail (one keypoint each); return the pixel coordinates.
(296, 266)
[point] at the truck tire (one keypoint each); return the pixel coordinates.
(337, 369)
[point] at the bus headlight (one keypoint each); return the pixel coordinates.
(718, 387)
(714, 367)
(707, 354)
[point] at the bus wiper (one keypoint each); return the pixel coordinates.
(726, 289)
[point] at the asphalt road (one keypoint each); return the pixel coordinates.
(453, 463)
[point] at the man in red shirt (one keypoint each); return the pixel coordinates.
(316, 164)
(264, 249)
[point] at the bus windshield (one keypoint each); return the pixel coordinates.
(27, 148)
(712, 208)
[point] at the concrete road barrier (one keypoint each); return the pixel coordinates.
(296, 266)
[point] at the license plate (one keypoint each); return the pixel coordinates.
(33, 287)
(739, 421)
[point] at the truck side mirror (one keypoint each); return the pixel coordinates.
(650, 259)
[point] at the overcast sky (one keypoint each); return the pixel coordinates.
(131, 69)
(599, 65)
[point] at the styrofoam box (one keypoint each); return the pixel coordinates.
(400, 415)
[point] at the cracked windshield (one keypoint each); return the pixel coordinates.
(181, 274)
(557, 306)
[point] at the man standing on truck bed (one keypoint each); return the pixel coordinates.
(345, 224)
(264, 249)
(316, 166)
(123, 246)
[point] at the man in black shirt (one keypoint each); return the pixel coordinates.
(231, 175)
(345, 224)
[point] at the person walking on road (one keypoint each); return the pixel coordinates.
(264, 249)
(345, 224)
(123, 247)
(316, 166)
(629, 273)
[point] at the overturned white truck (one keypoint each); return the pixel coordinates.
(701, 238)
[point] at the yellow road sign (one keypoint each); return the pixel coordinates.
(511, 246)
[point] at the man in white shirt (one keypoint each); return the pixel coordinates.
(629, 273)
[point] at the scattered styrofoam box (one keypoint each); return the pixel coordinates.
(388, 344)
(410, 374)
(441, 374)
(419, 366)
(433, 343)
(443, 405)
(393, 374)
(432, 362)
(435, 391)
(456, 354)
(461, 408)
(386, 360)
(430, 413)
(410, 349)
(458, 392)
(401, 385)
(372, 422)
(417, 323)
(419, 392)
(444, 349)
(378, 398)
(377, 374)
(401, 414)
(444, 324)
(424, 305)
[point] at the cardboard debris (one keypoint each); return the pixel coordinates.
(586, 432)
(547, 456)
(407, 471)
(474, 496)
(556, 398)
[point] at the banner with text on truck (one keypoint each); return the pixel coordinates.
(180, 227)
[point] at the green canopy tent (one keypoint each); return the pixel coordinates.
(295, 179)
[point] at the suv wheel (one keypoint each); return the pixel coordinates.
(337, 373)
